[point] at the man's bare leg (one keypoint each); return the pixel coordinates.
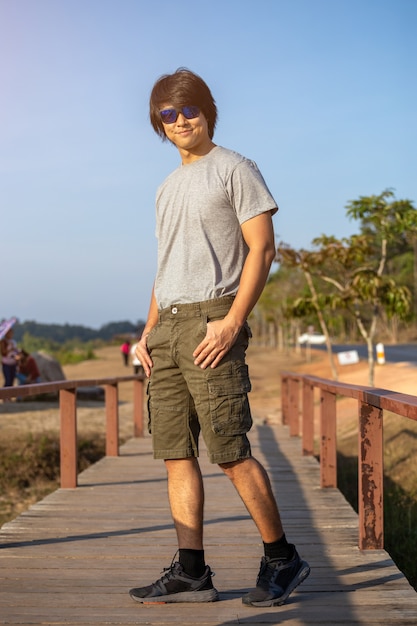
(254, 487)
(186, 498)
(178, 582)
(282, 569)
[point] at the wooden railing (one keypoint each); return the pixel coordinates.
(67, 390)
(297, 397)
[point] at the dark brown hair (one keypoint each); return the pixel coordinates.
(179, 89)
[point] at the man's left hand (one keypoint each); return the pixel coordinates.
(219, 338)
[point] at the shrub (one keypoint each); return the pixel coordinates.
(30, 468)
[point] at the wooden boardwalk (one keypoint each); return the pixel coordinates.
(72, 557)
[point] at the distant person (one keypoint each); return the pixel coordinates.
(137, 365)
(27, 369)
(125, 350)
(215, 249)
(9, 353)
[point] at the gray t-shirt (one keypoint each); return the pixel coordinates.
(199, 210)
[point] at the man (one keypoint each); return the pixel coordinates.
(215, 248)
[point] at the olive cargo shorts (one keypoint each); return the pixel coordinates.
(184, 400)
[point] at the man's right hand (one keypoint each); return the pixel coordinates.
(143, 354)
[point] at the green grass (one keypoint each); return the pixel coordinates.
(69, 352)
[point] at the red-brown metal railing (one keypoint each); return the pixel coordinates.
(297, 397)
(67, 390)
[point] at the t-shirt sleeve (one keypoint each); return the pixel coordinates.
(249, 194)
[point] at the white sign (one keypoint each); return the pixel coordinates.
(346, 358)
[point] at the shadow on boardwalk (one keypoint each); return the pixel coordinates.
(72, 557)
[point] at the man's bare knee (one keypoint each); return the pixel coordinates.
(230, 468)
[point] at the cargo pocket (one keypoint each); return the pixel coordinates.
(229, 405)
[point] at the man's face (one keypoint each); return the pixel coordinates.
(188, 135)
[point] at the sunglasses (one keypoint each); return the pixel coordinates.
(169, 116)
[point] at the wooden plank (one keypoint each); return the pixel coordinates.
(73, 556)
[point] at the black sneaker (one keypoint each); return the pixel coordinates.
(176, 586)
(277, 578)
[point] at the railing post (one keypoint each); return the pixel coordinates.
(371, 477)
(328, 452)
(308, 418)
(284, 399)
(112, 420)
(294, 407)
(138, 426)
(68, 437)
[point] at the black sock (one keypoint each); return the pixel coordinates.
(279, 549)
(192, 562)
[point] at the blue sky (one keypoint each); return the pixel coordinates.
(320, 93)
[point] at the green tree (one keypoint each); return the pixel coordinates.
(309, 263)
(275, 304)
(355, 267)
